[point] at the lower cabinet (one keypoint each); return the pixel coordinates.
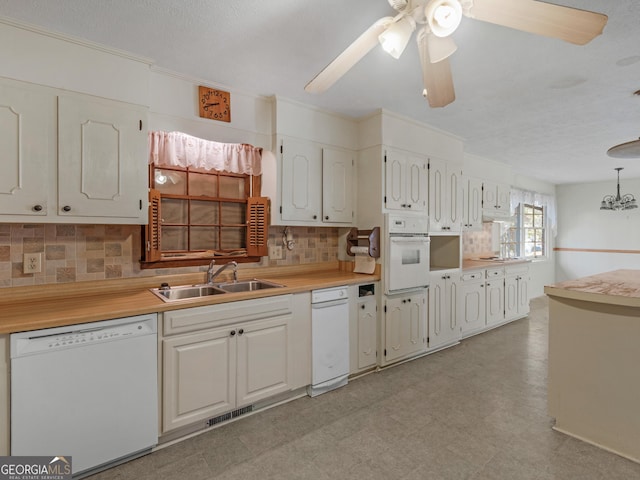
(404, 325)
(443, 309)
(216, 369)
(471, 303)
(516, 292)
(494, 288)
(363, 327)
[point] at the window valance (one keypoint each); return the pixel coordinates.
(182, 150)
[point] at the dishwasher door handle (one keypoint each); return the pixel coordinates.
(329, 304)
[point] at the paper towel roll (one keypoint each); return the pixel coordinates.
(364, 263)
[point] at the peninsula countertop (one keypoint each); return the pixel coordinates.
(619, 287)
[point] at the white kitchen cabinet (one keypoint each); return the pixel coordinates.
(98, 173)
(445, 196)
(317, 184)
(28, 143)
(404, 325)
(472, 205)
(217, 359)
(406, 181)
(495, 296)
(516, 294)
(472, 303)
(443, 308)
(496, 199)
(363, 327)
(102, 159)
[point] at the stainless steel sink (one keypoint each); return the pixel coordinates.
(171, 294)
(247, 285)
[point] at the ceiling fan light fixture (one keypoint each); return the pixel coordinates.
(617, 201)
(625, 150)
(443, 16)
(395, 38)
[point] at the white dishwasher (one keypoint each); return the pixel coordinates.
(87, 391)
(329, 339)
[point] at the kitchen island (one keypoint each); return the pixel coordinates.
(594, 356)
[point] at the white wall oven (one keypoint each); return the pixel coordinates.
(407, 252)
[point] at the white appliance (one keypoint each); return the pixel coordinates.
(87, 391)
(407, 252)
(329, 339)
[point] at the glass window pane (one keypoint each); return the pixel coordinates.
(539, 235)
(170, 181)
(537, 221)
(204, 238)
(232, 187)
(203, 212)
(232, 238)
(233, 213)
(174, 238)
(201, 184)
(174, 210)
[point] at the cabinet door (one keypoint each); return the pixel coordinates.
(495, 301)
(472, 307)
(301, 181)
(337, 186)
(102, 159)
(511, 297)
(473, 204)
(489, 195)
(27, 143)
(503, 197)
(263, 359)
(454, 198)
(404, 325)
(406, 181)
(437, 195)
(417, 183)
(367, 337)
(443, 311)
(523, 294)
(199, 377)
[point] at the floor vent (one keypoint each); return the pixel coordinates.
(228, 416)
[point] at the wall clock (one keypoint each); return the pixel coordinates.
(214, 104)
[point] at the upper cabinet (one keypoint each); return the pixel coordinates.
(471, 204)
(317, 184)
(445, 196)
(496, 199)
(97, 174)
(406, 181)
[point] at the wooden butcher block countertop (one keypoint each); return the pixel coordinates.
(47, 306)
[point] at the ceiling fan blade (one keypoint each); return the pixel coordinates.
(438, 82)
(349, 57)
(569, 24)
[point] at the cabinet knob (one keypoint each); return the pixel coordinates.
(241, 331)
(408, 205)
(37, 208)
(362, 306)
(315, 217)
(66, 208)
(326, 217)
(232, 333)
(482, 285)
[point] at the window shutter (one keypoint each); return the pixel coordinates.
(153, 230)
(257, 226)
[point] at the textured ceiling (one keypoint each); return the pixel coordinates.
(547, 108)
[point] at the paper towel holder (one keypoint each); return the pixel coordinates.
(369, 238)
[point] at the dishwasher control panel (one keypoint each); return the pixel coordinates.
(329, 294)
(27, 343)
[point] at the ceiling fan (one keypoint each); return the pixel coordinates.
(438, 19)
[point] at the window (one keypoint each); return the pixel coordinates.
(526, 238)
(197, 214)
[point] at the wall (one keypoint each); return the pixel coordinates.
(609, 240)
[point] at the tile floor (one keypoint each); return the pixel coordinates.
(476, 411)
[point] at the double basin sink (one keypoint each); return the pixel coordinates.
(183, 292)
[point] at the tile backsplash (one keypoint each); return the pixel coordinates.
(75, 253)
(476, 244)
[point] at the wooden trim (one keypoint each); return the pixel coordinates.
(595, 250)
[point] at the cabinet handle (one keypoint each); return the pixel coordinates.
(241, 331)
(315, 217)
(232, 333)
(37, 208)
(66, 208)
(326, 217)
(408, 205)
(482, 285)
(362, 306)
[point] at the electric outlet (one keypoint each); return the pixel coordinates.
(275, 252)
(32, 263)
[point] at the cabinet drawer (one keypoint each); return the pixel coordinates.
(516, 269)
(472, 276)
(198, 318)
(494, 272)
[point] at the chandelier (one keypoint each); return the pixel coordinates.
(617, 202)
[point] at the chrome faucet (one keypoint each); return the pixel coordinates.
(211, 275)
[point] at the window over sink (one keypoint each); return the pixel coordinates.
(526, 237)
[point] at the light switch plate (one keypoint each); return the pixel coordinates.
(275, 252)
